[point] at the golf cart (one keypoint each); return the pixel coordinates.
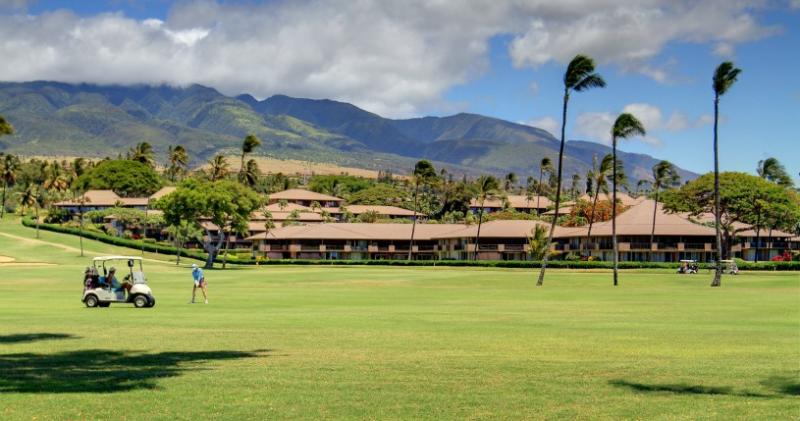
(99, 291)
(688, 267)
(730, 267)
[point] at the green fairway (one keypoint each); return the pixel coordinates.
(284, 342)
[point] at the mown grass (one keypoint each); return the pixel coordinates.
(394, 343)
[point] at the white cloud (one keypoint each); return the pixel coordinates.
(597, 125)
(794, 4)
(546, 123)
(393, 58)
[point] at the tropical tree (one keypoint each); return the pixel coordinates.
(537, 242)
(251, 173)
(250, 143)
(218, 167)
(127, 178)
(600, 183)
(665, 175)
(545, 165)
(580, 76)
(424, 174)
(8, 172)
(182, 233)
(486, 187)
(29, 198)
(178, 162)
(510, 181)
(771, 169)
(5, 127)
(624, 127)
(143, 152)
(269, 223)
(724, 77)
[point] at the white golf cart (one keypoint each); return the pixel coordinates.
(688, 267)
(730, 266)
(99, 291)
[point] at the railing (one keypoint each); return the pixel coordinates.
(487, 247)
(515, 247)
(426, 247)
(640, 246)
(694, 246)
(667, 246)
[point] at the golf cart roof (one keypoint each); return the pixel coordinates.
(106, 258)
(688, 261)
(726, 261)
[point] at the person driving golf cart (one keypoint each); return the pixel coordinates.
(101, 291)
(688, 267)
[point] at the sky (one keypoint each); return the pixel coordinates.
(501, 58)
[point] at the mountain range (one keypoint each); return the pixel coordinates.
(53, 118)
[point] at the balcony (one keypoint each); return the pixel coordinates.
(515, 247)
(638, 246)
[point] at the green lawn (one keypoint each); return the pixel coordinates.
(394, 343)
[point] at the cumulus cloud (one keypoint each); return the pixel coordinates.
(597, 125)
(547, 123)
(393, 58)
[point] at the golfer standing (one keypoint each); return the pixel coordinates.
(199, 282)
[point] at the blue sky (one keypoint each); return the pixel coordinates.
(417, 59)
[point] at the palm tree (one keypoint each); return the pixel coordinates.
(251, 173)
(509, 181)
(8, 172)
(29, 198)
(143, 152)
(250, 143)
(600, 183)
(724, 77)
(771, 169)
(624, 127)
(545, 165)
(579, 77)
(424, 173)
(487, 188)
(269, 224)
(537, 242)
(665, 174)
(178, 161)
(219, 167)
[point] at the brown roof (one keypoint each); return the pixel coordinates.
(505, 229)
(744, 230)
(624, 198)
(638, 220)
(379, 209)
(300, 194)
(358, 231)
(275, 207)
(564, 210)
(94, 198)
(282, 216)
(516, 201)
(162, 192)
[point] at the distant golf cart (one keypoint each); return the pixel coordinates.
(688, 267)
(730, 267)
(99, 291)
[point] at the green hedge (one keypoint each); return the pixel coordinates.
(556, 264)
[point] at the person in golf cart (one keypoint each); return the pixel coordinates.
(110, 281)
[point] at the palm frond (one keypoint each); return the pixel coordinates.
(724, 77)
(627, 126)
(591, 81)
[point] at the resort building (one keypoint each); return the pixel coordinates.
(305, 198)
(519, 203)
(93, 200)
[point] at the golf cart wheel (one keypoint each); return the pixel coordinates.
(140, 301)
(152, 301)
(91, 301)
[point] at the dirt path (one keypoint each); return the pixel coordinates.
(6, 259)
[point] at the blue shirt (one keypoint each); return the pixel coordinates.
(197, 274)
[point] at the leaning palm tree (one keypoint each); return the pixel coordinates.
(665, 174)
(143, 152)
(771, 169)
(486, 188)
(624, 127)
(218, 167)
(600, 184)
(29, 198)
(178, 161)
(424, 173)
(9, 169)
(250, 143)
(545, 165)
(724, 77)
(580, 76)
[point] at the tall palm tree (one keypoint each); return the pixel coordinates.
(178, 161)
(665, 174)
(250, 143)
(29, 198)
(509, 181)
(600, 183)
(724, 77)
(218, 167)
(9, 169)
(580, 76)
(251, 173)
(424, 173)
(624, 127)
(771, 169)
(545, 165)
(486, 188)
(143, 152)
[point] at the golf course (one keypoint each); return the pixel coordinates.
(298, 342)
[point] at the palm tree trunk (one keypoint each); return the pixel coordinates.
(653, 231)
(539, 187)
(80, 226)
(717, 281)
(540, 282)
(3, 205)
(478, 235)
(591, 220)
(758, 242)
(614, 207)
(227, 246)
(414, 223)
(36, 214)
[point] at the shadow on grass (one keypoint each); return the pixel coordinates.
(784, 385)
(99, 370)
(687, 389)
(33, 337)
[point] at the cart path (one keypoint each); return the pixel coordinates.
(65, 247)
